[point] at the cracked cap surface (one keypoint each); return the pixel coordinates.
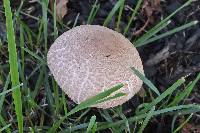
(89, 59)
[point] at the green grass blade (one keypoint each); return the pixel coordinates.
(132, 16)
(1, 46)
(190, 87)
(185, 26)
(55, 29)
(3, 123)
(113, 11)
(185, 93)
(112, 97)
(19, 9)
(94, 128)
(76, 20)
(177, 109)
(64, 103)
(96, 99)
(13, 64)
(30, 34)
(56, 94)
(34, 71)
(38, 83)
(34, 105)
(169, 91)
(2, 98)
(75, 128)
(105, 114)
(150, 33)
(162, 24)
(39, 35)
(22, 64)
(146, 81)
(49, 96)
(166, 111)
(34, 55)
(173, 122)
(93, 12)
(87, 103)
(22, 50)
(10, 90)
(146, 120)
(187, 111)
(91, 124)
(45, 20)
(120, 15)
(4, 128)
(122, 115)
(181, 126)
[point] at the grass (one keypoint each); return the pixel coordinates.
(132, 16)
(151, 39)
(181, 126)
(89, 102)
(146, 120)
(92, 125)
(146, 81)
(112, 12)
(93, 12)
(47, 109)
(162, 24)
(13, 65)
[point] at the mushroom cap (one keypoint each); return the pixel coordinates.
(89, 59)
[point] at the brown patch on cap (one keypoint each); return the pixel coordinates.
(89, 59)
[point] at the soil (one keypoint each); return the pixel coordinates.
(165, 60)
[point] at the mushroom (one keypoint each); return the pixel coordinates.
(89, 59)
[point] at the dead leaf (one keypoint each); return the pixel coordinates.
(189, 127)
(61, 8)
(149, 8)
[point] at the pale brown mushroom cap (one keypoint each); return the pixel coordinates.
(88, 59)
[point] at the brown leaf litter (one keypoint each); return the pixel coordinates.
(149, 8)
(61, 8)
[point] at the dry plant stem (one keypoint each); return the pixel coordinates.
(141, 29)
